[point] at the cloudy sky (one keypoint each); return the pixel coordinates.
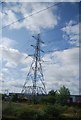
(59, 29)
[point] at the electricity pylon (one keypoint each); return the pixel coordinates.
(35, 76)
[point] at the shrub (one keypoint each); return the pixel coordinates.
(28, 114)
(8, 110)
(51, 113)
(61, 108)
(48, 99)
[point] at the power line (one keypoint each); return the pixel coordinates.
(31, 15)
(8, 6)
(25, 17)
(2, 2)
(2, 8)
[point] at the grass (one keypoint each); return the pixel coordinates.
(0, 108)
(25, 111)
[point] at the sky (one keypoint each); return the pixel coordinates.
(59, 29)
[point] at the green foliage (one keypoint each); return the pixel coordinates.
(51, 99)
(51, 113)
(60, 108)
(64, 91)
(0, 96)
(63, 95)
(24, 111)
(28, 114)
(52, 92)
(15, 98)
(3, 96)
(50, 107)
(48, 99)
(8, 110)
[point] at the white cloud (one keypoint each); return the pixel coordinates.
(7, 19)
(45, 22)
(64, 70)
(45, 19)
(6, 42)
(12, 57)
(71, 32)
(12, 60)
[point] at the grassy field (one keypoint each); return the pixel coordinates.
(25, 111)
(0, 109)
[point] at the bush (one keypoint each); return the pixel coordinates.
(8, 110)
(29, 114)
(15, 98)
(48, 99)
(61, 108)
(51, 113)
(48, 113)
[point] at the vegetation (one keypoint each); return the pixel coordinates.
(24, 111)
(63, 95)
(57, 97)
(51, 107)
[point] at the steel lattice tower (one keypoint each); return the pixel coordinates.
(35, 74)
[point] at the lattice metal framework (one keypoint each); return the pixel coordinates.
(34, 83)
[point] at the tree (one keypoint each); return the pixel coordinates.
(64, 95)
(52, 97)
(52, 92)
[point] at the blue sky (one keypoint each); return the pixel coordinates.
(23, 35)
(59, 29)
